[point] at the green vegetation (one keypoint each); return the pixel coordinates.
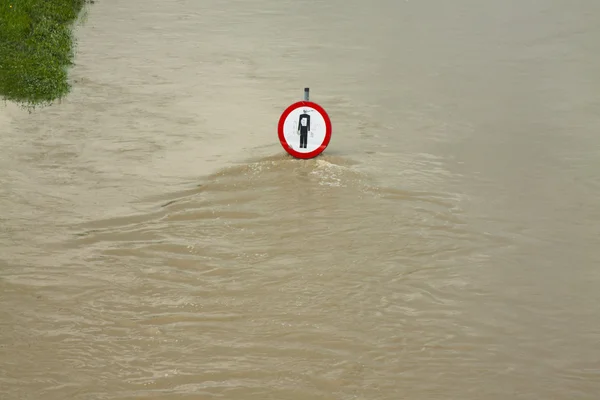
(36, 48)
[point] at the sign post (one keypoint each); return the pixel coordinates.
(304, 129)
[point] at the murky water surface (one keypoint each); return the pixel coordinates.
(156, 242)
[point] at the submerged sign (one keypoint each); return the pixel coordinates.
(304, 129)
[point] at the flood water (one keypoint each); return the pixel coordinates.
(156, 242)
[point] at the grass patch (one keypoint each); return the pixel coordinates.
(36, 49)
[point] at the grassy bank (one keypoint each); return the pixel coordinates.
(36, 48)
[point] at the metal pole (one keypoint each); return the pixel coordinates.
(306, 94)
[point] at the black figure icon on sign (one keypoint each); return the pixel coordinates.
(303, 128)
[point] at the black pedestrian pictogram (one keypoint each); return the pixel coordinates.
(303, 128)
(298, 119)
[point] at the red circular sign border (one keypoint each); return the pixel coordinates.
(323, 145)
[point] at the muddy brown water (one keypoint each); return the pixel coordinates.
(157, 243)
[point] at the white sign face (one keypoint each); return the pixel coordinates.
(304, 129)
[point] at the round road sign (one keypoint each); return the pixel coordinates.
(304, 129)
